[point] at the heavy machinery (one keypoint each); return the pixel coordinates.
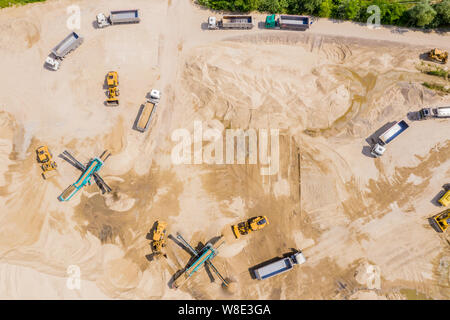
(288, 22)
(438, 55)
(445, 199)
(118, 17)
(231, 22)
(112, 80)
(390, 134)
(252, 224)
(89, 171)
(159, 237)
(442, 220)
(147, 110)
(203, 258)
(70, 43)
(44, 157)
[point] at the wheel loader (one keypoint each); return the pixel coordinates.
(47, 165)
(438, 55)
(252, 224)
(159, 237)
(112, 80)
(443, 220)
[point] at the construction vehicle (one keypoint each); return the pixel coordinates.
(44, 157)
(231, 22)
(112, 80)
(252, 224)
(118, 17)
(147, 110)
(58, 53)
(89, 170)
(445, 199)
(158, 238)
(389, 135)
(288, 22)
(438, 55)
(203, 258)
(441, 112)
(279, 266)
(442, 220)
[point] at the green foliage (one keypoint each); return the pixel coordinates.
(8, 3)
(442, 18)
(421, 14)
(326, 7)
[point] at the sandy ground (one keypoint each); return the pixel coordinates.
(361, 222)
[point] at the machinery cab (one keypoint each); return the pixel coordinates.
(425, 113)
(377, 150)
(443, 220)
(271, 22)
(445, 199)
(212, 23)
(438, 55)
(43, 154)
(102, 21)
(112, 79)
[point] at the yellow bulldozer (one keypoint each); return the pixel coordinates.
(112, 80)
(159, 237)
(438, 55)
(44, 157)
(442, 220)
(252, 224)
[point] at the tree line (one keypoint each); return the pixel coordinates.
(422, 14)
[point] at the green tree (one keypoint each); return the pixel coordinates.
(442, 18)
(421, 14)
(352, 8)
(326, 7)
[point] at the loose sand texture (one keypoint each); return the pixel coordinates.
(361, 222)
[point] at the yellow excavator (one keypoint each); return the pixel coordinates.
(112, 80)
(438, 55)
(442, 220)
(159, 237)
(44, 157)
(252, 224)
(445, 199)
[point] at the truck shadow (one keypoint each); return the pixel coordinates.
(95, 25)
(204, 26)
(373, 138)
(413, 116)
(141, 109)
(251, 270)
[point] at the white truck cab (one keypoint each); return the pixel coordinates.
(52, 63)
(102, 20)
(155, 95)
(378, 150)
(212, 23)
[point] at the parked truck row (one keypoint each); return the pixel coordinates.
(285, 22)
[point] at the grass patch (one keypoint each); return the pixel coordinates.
(436, 87)
(9, 3)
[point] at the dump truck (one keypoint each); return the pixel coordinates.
(389, 135)
(279, 266)
(118, 17)
(147, 111)
(438, 55)
(231, 22)
(288, 22)
(441, 112)
(252, 224)
(112, 80)
(44, 157)
(442, 220)
(70, 43)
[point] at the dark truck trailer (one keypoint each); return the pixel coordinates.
(124, 16)
(294, 22)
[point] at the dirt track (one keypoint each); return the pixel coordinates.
(355, 218)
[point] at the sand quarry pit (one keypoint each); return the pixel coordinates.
(362, 223)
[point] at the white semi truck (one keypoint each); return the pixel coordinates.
(70, 43)
(231, 22)
(441, 112)
(387, 136)
(279, 266)
(118, 17)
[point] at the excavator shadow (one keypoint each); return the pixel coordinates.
(434, 225)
